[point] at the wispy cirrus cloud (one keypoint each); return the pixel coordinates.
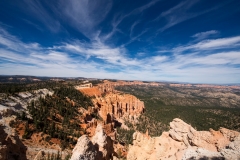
(13, 43)
(204, 35)
(82, 15)
(211, 44)
(114, 56)
(96, 59)
(33, 24)
(134, 38)
(39, 12)
(180, 13)
(133, 26)
(85, 15)
(119, 18)
(219, 43)
(222, 58)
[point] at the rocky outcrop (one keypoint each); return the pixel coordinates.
(11, 147)
(104, 143)
(100, 147)
(84, 149)
(111, 104)
(19, 101)
(118, 105)
(184, 142)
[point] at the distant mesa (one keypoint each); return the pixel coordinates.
(102, 117)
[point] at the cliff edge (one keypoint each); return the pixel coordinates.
(99, 147)
(183, 142)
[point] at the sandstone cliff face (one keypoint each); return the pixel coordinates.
(100, 147)
(184, 142)
(111, 105)
(116, 106)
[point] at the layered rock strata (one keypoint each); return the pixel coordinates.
(116, 106)
(184, 142)
(111, 104)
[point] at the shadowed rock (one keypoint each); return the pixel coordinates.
(11, 148)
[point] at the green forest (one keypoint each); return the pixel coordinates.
(56, 115)
(158, 115)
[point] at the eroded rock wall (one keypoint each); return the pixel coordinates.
(111, 104)
(118, 105)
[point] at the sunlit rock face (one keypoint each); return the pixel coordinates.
(184, 142)
(84, 149)
(99, 147)
(112, 104)
(117, 106)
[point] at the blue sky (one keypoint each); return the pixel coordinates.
(194, 41)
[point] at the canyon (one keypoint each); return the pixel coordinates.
(113, 107)
(110, 109)
(98, 123)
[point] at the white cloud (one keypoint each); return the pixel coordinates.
(39, 12)
(218, 43)
(96, 49)
(180, 13)
(118, 18)
(204, 35)
(211, 44)
(85, 15)
(134, 38)
(52, 56)
(13, 43)
(94, 59)
(133, 26)
(232, 57)
(215, 59)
